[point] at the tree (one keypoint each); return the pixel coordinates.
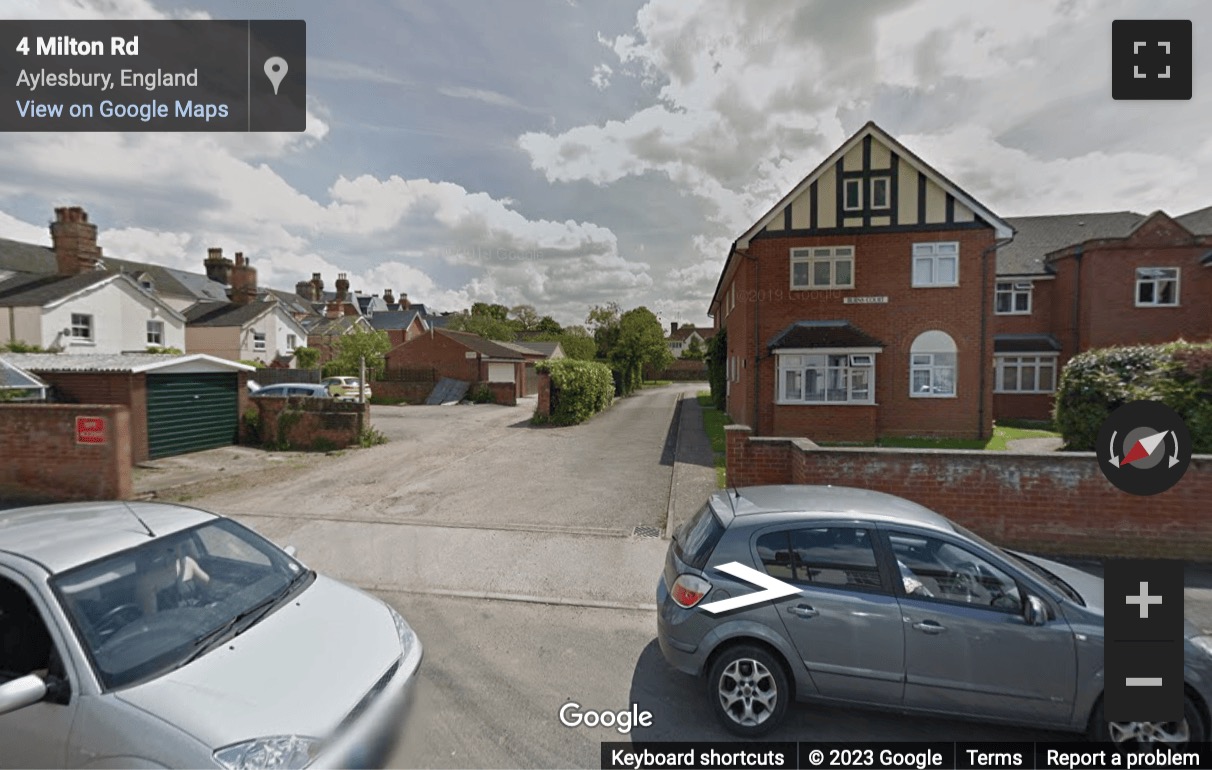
(694, 350)
(487, 326)
(575, 342)
(499, 312)
(640, 343)
(361, 343)
(548, 325)
(307, 358)
(603, 322)
(526, 317)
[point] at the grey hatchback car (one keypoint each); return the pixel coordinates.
(898, 607)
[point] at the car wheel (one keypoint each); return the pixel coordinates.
(748, 690)
(1137, 735)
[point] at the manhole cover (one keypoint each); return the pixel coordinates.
(646, 532)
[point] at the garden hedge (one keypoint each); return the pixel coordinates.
(579, 389)
(1097, 382)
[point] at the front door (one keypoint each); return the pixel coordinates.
(37, 735)
(968, 649)
(845, 624)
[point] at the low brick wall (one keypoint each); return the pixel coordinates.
(43, 460)
(1050, 503)
(309, 424)
(408, 392)
(504, 393)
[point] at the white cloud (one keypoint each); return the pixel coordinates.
(485, 95)
(601, 76)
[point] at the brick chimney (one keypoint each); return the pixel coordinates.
(75, 241)
(218, 267)
(404, 303)
(317, 287)
(388, 297)
(332, 309)
(342, 287)
(673, 327)
(243, 281)
(303, 289)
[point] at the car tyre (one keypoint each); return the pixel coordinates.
(748, 690)
(1138, 735)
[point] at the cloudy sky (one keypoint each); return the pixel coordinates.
(565, 153)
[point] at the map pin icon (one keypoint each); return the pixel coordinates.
(275, 70)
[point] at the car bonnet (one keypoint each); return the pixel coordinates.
(298, 671)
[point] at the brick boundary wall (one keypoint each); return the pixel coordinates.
(1056, 503)
(503, 393)
(409, 392)
(43, 461)
(336, 423)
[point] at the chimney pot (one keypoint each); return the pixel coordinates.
(243, 281)
(74, 241)
(404, 303)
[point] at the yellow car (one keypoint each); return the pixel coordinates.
(345, 388)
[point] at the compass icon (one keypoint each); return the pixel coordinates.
(1144, 448)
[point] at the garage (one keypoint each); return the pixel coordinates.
(500, 372)
(178, 404)
(191, 412)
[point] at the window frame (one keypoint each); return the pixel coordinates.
(1039, 361)
(848, 372)
(292, 341)
(935, 257)
(259, 340)
(932, 367)
(874, 540)
(89, 335)
(1155, 282)
(158, 333)
(807, 255)
(887, 182)
(1024, 589)
(1015, 290)
(847, 184)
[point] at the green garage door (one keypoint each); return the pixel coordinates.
(191, 412)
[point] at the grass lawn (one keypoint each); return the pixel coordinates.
(1002, 433)
(713, 422)
(655, 383)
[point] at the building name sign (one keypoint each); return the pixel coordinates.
(865, 301)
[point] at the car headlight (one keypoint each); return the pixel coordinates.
(277, 752)
(1203, 643)
(408, 637)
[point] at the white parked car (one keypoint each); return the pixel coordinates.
(154, 635)
(345, 388)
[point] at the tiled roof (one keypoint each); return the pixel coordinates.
(1035, 237)
(26, 257)
(684, 332)
(224, 313)
(437, 321)
(170, 281)
(117, 362)
(1025, 343)
(393, 319)
(824, 334)
(481, 345)
(333, 327)
(26, 290)
(543, 348)
(1198, 222)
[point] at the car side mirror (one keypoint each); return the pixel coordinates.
(1035, 612)
(22, 692)
(290, 551)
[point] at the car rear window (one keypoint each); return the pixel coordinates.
(696, 540)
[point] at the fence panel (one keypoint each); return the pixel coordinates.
(270, 376)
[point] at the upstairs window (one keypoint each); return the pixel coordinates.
(852, 194)
(823, 268)
(258, 340)
(291, 342)
(879, 192)
(82, 327)
(1012, 298)
(1156, 286)
(935, 264)
(155, 333)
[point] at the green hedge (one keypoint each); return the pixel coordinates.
(717, 369)
(579, 389)
(1097, 382)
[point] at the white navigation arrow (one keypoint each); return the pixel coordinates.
(774, 588)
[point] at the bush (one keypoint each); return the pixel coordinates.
(1097, 382)
(579, 389)
(482, 395)
(717, 369)
(17, 346)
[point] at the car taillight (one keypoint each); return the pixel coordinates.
(688, 590)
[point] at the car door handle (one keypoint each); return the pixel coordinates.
(803, 611)
(930, 627)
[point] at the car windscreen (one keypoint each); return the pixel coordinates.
(148, 609)
(696, 540)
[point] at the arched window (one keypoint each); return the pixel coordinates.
(932, 366)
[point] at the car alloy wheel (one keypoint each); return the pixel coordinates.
(1151, 734)
(749, 690)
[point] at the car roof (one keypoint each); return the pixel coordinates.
(65, 535)
(827, 501)
(283, 385)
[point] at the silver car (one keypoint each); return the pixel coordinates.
(152, 635)
(897, 607)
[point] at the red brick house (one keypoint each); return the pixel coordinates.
(400, 325)
(1074, 282)
(462, 356)
(858, 305)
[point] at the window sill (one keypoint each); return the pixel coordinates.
(1024, 392)
(1016, 312)
(933, 395)
(85, 343)
(846, 287)
(1156, 305)
(934, 286)
(825, 403)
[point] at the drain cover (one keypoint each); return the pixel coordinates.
(646, 532)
